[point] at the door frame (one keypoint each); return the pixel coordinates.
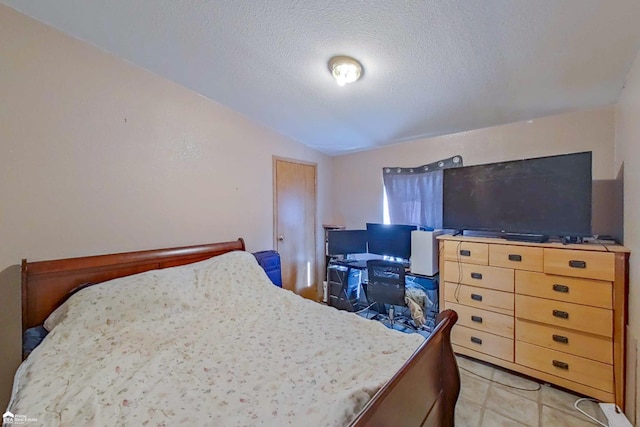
(315, 208)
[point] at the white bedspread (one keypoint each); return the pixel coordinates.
(208, 344)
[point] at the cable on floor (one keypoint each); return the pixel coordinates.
(575, 405)
(366, 308)
(498, 382)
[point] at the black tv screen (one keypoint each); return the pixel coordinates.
(546, 195)
(390, 239)
(345, 242)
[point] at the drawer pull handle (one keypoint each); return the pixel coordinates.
(561, 365)
(560, 314)
(561, 288)
(577, 264)
(561, 339)
(476, 340)
(476, 276)
(465, 252)
(476, 297)
(514, 257)
(476, 319)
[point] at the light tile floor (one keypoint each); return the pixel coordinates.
(485, 403)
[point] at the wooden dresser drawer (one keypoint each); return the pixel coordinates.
(518, 257)
(483, 342)
(596, 293)
(587, 264)
(566, 315)
(479, 275)
(486, 299)
(574, 368)
(467, 252)
(483, 320)
(594, 347)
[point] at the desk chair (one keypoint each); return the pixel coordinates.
(386, 285)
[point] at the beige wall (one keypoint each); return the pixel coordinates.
(357, 182)
(100, 156)
(627, 153)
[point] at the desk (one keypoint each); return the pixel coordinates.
(347, 284)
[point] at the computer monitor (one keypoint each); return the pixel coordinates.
(345, 242)
(392, 240)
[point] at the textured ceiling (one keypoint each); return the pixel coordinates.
(431, 67)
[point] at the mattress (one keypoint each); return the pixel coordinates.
(210, 343)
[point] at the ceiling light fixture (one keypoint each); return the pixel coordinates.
(345, 69)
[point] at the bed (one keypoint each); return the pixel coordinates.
(208, 340)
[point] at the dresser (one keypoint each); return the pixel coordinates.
(550, 311)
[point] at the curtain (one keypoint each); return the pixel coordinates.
(414, 195)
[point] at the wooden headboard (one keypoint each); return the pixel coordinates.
(45, 284)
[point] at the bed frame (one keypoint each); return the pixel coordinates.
(422, 393)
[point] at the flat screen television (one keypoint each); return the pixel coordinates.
(345, 242)
(392, 240)
(542, 196)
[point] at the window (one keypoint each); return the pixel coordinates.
(385, 207)
(414, 195)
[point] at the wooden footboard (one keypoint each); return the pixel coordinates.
(424, 392)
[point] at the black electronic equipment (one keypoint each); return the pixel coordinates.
(345, 242)
(524, 237)
(566, 240)
(392, 240)
(529, 199)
